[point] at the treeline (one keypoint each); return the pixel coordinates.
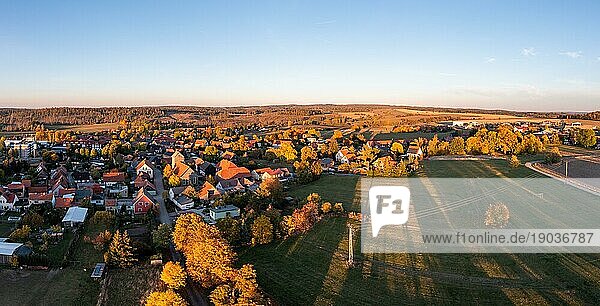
(484, 142)
(31, 119)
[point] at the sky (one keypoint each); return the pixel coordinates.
(517, 55)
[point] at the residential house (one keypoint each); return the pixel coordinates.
(40, 198)
(143, 202)
(180, 199)
(281, 174)
(186, 174)
(208, 192)
(345, 156)
(113, 178)
(8, 201)
(221, 212)
(145, 167)
(414, 151)
(327, 164)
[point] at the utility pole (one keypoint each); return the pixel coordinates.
(566, 170)
(350, 246)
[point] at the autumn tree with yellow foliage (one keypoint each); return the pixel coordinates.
(120, 251)
(208, 256)
(209, 261)
(173, 275)
(165, 298)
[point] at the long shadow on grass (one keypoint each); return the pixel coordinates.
(294, 271)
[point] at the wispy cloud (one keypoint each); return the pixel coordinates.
(572, 54)
(445, 74)
(490, 60)
(324, 22)
(528, 51)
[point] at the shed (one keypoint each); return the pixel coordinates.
(10, 249)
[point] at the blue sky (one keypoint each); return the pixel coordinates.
(524, 55)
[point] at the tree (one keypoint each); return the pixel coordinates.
(165, 298)
(368, 155)
(456, 146)
(161, 236)
(101, 241)
(338, 207)
(302, 219)
(20, 234)
(553, 156)
(326, 207)
(432, 146)
(230, 229)
(168, 171)
(308, 154)
(513, 161)
(242, 289)
(397, 148)
(208, 256)
(586, 138)
(173, 275)
(271, 188)
(497, 215)
(105, 218)
(531, 144)
(120, 251)
(287, 152)
(211, 151)
(174, 181)
(262, 230)
(34, 220)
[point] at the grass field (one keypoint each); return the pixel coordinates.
(409, 136)
(310, 269)
(6, 229)
(331, 188)
(132, 286)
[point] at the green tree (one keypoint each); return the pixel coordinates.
(161, 236)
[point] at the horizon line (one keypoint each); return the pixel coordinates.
(298, 104)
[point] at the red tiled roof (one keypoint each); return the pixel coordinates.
(38, 189)
(224, 164)
(237, 172)
(40, 196)
(113, 177)
(63, 202)
(63, 192)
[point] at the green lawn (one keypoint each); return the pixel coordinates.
(6, 229)
(331, 188)
(310, 269)
(474, 168)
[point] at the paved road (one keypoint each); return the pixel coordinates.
(193, 292)
(160, 188)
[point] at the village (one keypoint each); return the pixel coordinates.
(57, 183)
